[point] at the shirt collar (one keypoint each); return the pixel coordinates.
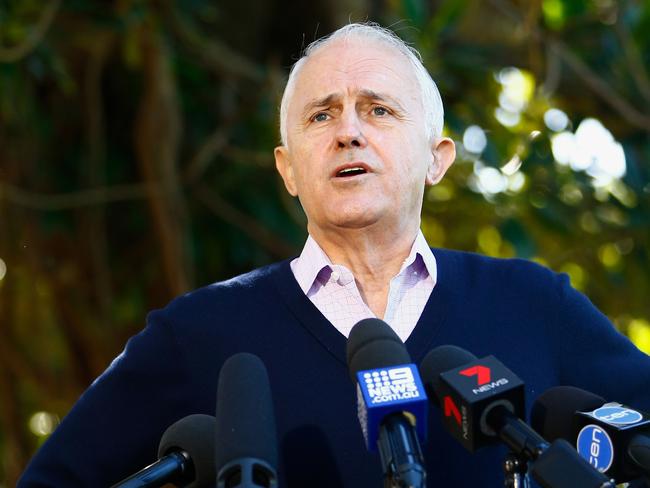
(313, 260)
(422, 250)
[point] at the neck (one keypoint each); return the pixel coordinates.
(373, 255)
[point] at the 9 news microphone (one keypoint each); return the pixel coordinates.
(245, 451)
(612, 437)
(391, 403)
(483, 403)
(185, 454)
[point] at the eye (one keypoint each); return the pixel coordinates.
(320, 117)
(380, 111)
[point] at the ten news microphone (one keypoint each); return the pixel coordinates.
(186, 455)
(612, 437)
(391, 403)
(483, 402)
(246, 441)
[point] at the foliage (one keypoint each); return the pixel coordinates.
(136, 162)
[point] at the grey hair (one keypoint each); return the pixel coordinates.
(431, 101)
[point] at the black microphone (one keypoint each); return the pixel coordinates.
(186, 455)
(246, 441)
(482, 401)
(483, 404)
(391, 403)
(612, 437)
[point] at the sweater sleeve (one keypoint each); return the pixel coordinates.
(114, 428)
(595, 356)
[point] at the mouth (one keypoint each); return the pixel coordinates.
(350, 170)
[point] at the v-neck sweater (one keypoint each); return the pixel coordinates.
(527, 316)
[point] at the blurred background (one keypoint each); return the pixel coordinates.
(136, 162)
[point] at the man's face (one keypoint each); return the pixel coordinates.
(357, 150)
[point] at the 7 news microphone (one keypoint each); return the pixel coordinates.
(245, 452)
(391, 403)
(614, 438)
(483, 403)
(185, 454)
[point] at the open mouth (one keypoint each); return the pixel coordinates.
(353, 171)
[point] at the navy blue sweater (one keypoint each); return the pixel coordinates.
(527, 316)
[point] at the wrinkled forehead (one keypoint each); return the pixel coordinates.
(354, 65)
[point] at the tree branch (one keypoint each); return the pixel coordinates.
(588, 76)
(208, 150)
(248, 225)
(93, 228)
(601, 87)
(83, 198)
(214, 54)
(15, 53)
(553, 73)
(262, 159)
(15, 442)
(157, 133)
(633, 59)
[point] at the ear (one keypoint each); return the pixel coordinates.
(443, 153)
(285, 168)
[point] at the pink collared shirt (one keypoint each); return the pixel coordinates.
(333, 289)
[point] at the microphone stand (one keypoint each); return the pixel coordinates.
(171, 468)
(515, 468)
(400, 454)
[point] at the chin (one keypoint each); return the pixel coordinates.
(354, 213)
(356, 220)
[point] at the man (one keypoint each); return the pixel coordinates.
(361, 124)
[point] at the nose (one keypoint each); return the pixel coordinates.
(349, 133)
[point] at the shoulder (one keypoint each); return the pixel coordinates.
(252, 282)
(476, 270)
(229, 294)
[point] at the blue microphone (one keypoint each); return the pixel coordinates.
(391, 402)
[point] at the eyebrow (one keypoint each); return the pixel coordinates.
(321, 102)
(334, 97)
(373, 95)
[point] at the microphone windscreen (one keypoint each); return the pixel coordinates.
(373, 344)
(639, 450)
(193, 434)
(440, 360)
(245, 422)
(553, 413)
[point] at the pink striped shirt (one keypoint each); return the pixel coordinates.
(333, 289)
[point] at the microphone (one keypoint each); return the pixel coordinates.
(245, 451)
(391, 402)
(483, 403)
(614, 438)
(185, 456)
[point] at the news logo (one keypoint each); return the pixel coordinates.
(595, 445)
(383, 391)
(466, 393)
(389, 385)
(617, 415)
(600, 430)
(483, 373)
(450, 409)
(483, 379)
